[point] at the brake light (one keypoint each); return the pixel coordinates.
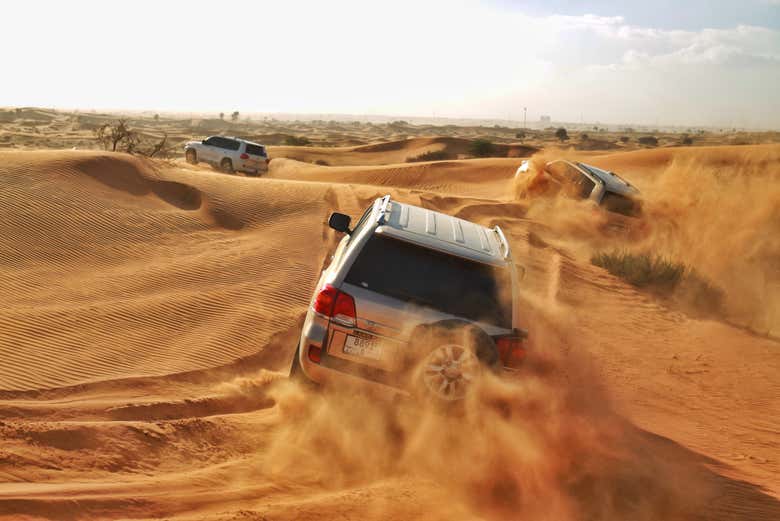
(511, 350)
(315, 353)
(244, 156)
(335, 304)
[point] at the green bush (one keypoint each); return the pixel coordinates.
(561, 134)
(436, 155)
(682, 285)
(651, 141)
(642, 269)
(295, 141)
(482, 148)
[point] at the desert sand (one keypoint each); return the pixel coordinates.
(149, 312)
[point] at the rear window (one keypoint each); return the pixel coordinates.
(429, 278)
(255, 150)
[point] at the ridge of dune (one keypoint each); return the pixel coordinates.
(99, 247)
(398, 151)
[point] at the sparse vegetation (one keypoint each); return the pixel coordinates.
(520, 135)
(112, 135)
(650, 141)
(686, 140)
(641, 269)
(561, 134)
(482, 148)
(221, 115)
(321, 162)
(118, 136)
(234, 116)
(664, 277)
(434, 155)
(297, 141)
(624, 139)
(584, 136)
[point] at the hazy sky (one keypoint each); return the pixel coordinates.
(693, 62)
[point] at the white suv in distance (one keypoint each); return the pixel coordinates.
(415, 301)
(229, 154)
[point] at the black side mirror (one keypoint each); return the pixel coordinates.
(340, 222)
(203, 141)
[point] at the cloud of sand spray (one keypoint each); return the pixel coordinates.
(544, 445)
(721, 216)
(718, 212)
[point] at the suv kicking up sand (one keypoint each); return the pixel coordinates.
(581, 181)
(413, 300)
(229, 154)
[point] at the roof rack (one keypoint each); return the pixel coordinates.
(382, 218)
(502, 241)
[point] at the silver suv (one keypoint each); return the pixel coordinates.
(413, 300)
(581, 181)
(229, 154)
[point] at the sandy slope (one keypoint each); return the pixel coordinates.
(398, 151)
(149, 312)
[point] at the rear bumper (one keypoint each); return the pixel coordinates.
(329, 370)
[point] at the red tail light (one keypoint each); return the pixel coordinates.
(335, 304)
(511, 350)
(315, 353)
(244, 156)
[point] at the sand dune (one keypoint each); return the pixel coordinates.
(149, 313)
(393, 151)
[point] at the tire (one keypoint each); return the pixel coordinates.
(226, 165)
(296, 372)
(191, 156)
(450, 357)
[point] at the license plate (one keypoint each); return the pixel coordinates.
(365, 347)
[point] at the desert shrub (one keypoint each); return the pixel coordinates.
(116, 135)
(584, 136)
(686, 140)
(234, 116)
(642, 269)
(481, 148)
(651, 141)
(561, 134)
(321, 162)
(520, 134)
(296, 141)
(624, 139)
(683, 285)
(435, 155)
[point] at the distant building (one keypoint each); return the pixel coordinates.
(545, 119)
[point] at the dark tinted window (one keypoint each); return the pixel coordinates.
(230, 144)
(621, 204)
(255, 150)
(428, 278)
(211, 141)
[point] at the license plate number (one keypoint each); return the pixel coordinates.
(365, 347)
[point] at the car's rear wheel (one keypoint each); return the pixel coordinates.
(297, 374)
(191, 156)
(453, 355)
(226, 165)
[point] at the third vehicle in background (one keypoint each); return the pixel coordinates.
(229, 154)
